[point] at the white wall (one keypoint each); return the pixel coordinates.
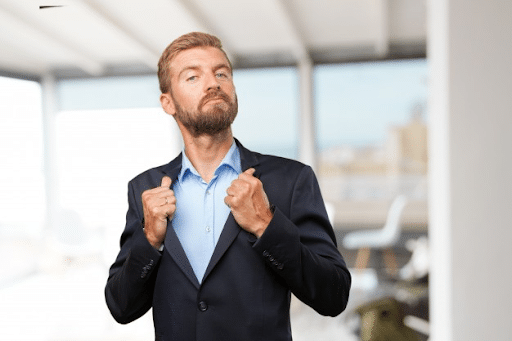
(470, 51)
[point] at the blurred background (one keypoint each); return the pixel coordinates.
(401, 107)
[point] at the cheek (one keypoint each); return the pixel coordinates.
(230, 89)
(188, 98)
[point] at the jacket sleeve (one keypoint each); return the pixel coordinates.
(301, 248)
(129, 289)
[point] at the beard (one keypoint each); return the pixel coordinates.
(209, 122)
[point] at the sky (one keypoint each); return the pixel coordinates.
(356, 103)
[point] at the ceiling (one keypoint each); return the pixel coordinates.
(90, 38)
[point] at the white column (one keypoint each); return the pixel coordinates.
(307, 126)
(50, 106)
(382, 41)
(470, 53)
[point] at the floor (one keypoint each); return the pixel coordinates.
(50, 298)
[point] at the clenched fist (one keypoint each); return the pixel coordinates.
(249, 203)
(158, 205)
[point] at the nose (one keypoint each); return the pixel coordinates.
(213, 83)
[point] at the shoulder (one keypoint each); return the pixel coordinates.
(281, 164)
(265, 162)
(282, 172)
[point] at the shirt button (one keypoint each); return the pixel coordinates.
(208, 228)
(203, 306)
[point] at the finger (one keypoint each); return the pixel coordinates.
(227, 201)
(161, 192)
(170, 200)
(167, 198)
(230, 191)
(248, 177)
(250, 171)
(166, 182)
(170, 210)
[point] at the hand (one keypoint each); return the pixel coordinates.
(249, 203)
(159, 204)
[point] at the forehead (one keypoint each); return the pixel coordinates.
(198, 57)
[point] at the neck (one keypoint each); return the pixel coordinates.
(206, 152)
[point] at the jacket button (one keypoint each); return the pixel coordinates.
(203, 306)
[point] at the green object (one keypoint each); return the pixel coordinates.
(383, 320)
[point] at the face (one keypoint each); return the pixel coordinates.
(202, 96)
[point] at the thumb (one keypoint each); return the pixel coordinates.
(166, 182)
(250, 171)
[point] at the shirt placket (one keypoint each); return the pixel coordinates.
(209, 212)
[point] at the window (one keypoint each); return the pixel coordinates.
(98, 152)
(21, 152)
(372, 134)
(268, 110)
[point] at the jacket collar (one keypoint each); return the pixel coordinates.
(248, 159)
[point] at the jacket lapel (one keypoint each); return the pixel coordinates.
(172, 243)
(229, 233)
(231, 229)
(174, 248)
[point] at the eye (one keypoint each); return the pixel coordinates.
(221, 75)
(191, 78)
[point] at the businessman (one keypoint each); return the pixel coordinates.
(217, 240)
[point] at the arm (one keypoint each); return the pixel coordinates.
(129, 289)
(301, 248)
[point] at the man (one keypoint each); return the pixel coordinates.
(218, 239)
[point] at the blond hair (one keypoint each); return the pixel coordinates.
(185, 42)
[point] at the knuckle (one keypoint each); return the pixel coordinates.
(147, 194)
(235, 201)
(255, 181)
(246, 187)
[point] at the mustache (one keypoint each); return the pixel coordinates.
(217, 93)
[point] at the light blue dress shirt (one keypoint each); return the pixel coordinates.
(200, 209)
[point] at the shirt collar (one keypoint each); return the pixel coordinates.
(231, 160)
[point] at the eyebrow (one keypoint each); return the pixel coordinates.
(197, 67)
(222, 66)
(187, 68)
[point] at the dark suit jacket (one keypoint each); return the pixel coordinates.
(245, 293)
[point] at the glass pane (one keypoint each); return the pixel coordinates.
(372, 135)
(109, 93)
(98, 153)
(268, 110)
(21, 152)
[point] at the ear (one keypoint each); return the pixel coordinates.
(167, 104)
